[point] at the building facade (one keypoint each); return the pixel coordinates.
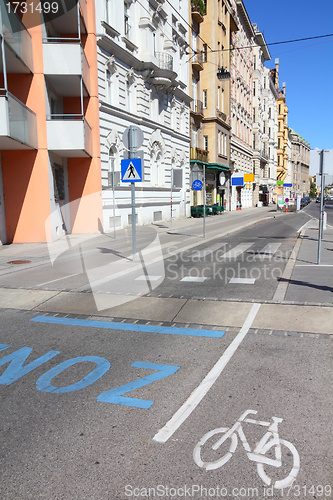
(219, 23)
(49, 137)
(242, 93)
(143, 78)
(265, 123)
(283, 133)
(300, 164)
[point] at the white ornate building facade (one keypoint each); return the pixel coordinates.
(241, 66)
(143, 76)
(265, 124)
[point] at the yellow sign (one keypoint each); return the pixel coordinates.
(248, 177)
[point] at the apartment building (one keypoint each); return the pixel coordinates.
(283, 133)
(300, 164)
(198, 152)
(242, 92)
(143, 81)
(49, 133)
(219, 23)
(265, 123)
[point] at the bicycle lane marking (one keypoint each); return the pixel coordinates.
(199, 393)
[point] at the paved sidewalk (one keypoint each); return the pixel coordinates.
(311, 282)
(304, 293)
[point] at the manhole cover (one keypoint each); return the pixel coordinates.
(19, 262)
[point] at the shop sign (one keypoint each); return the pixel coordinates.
(237, 181)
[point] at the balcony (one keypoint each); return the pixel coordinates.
(197, 14)
(64, 66)
(69, 136)
(18, 46)
(18, 126)
(198, 154)
(197, 61)
(197, 107)
(165, 60)
(221, 115)
(68, 23)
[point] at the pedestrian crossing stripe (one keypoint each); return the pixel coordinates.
(131, 170)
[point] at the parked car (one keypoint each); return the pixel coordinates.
(303, 202)
(308, 199)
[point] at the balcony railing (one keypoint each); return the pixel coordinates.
(17, 121)
(197, 107)
(197, 61)
(199, 154)
(165, 60)
(221, 115)
(69, 135)
(15, 34)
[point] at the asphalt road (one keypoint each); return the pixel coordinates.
(93, 444)
(98, 410)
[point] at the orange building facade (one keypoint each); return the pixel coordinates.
(49, 125)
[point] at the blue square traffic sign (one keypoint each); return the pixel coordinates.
(131, 170)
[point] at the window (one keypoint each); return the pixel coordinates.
(204, 98)
(254, 62)
(254, 89)
(127, 27)
(205, 48)
(206, 142)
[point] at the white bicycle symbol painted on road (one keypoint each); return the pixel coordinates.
(269, 440)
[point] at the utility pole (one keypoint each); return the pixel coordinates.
(322, 195)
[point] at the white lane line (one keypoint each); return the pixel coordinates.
(200, 392)
(194, 279)
(238, 250)
(302, 227)
(143, 277)
(58, 279)
(314, 265)
(209, 250)
(243, 281)
(269, 249)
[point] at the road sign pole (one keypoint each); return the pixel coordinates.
(171, 196)
(131, 155)
(321, 171)
(204, 200)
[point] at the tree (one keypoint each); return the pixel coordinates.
(199, 5)
(313, 190)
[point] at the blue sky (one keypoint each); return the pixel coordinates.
(306, 67)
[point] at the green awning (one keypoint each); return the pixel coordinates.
(218, 167)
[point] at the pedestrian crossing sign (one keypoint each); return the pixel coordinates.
(131, 170)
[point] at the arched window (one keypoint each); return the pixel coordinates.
(130, 92)
(157, 167)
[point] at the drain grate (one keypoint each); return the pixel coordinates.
(19, 262)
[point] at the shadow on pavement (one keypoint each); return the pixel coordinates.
(306, 283)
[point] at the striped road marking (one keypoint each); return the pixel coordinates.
(143, 277)
(242, 281)
(209, 250)
(238, 250)
(132, 327)
(269, 250)
(194, 279)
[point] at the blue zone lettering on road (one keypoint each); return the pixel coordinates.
(16, 370)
